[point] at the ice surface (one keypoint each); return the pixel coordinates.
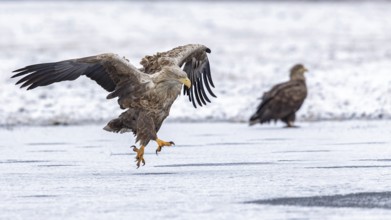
(345, 45)
(83, 172)
(367, 200)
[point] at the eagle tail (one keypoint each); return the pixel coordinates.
(262, 115)
(254, 119)
(116, 126)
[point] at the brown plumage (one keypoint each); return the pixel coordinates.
(147, 93)
(283, 100)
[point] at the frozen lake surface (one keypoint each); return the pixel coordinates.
(323, 170)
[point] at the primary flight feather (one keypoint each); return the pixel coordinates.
(146, 93)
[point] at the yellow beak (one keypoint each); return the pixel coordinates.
(305, 70)
(186, 81)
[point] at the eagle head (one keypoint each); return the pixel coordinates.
(176, 74)
(297, 72)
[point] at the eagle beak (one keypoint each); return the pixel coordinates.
(305, 70)
(186, 81)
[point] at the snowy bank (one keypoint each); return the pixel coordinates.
(345, 46)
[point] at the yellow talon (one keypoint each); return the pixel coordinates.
(139, 156)
(161, 144)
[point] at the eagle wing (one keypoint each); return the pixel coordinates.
(113, 73)
(282, 100)
(194, 60)
(106, 69)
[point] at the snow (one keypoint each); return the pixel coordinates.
(345, 45)
(83, 172)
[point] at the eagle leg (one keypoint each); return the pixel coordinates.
(140, 155)
(162, 144)
(289, 124)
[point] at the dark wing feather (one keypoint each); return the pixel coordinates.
(281, 101)
(197, 67)
(199, 74)
(105, 69)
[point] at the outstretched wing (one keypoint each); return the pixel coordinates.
(194, 60)
(106, 69)
(282, 100)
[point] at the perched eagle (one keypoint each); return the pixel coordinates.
(283, 100)
(147, 93)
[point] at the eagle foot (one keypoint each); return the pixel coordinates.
(139, 156)
(162, 144)
(291, 125)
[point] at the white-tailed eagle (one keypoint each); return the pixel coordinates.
(146, 93)
(283, 100)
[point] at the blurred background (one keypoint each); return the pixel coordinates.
(345, 45)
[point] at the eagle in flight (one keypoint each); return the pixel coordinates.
(146, 94)
(283, 100)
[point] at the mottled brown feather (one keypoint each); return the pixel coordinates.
(194, 60)
(283, 100)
